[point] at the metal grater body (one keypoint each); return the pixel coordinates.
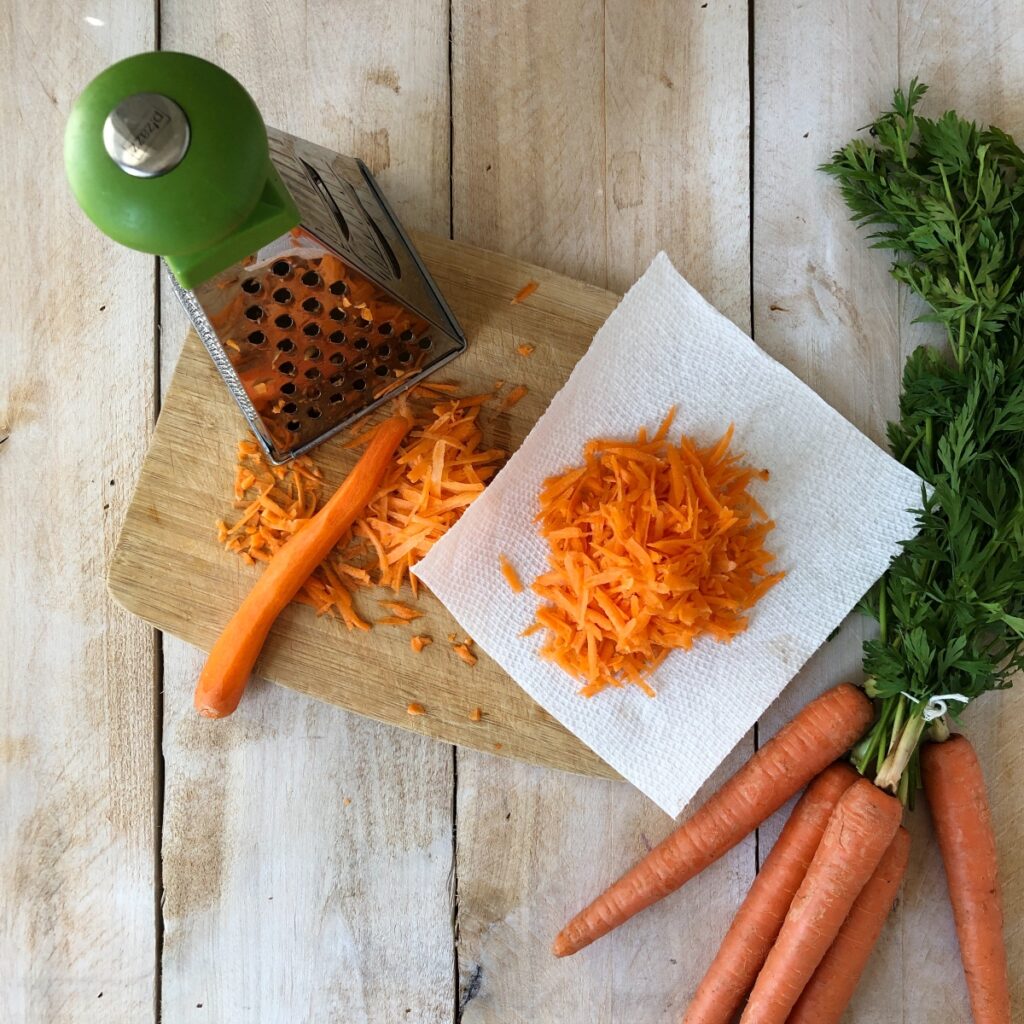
(329, 321)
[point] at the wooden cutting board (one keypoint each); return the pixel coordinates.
(169, 569)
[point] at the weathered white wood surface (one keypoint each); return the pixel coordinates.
(307, 858)
(308, 852)
(77, 688)
(573, 127)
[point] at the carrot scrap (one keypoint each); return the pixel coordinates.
(652, 545)
(525, 292)
(401, 611)
(463, 651)
(417, 643)
(525, 349)
(346, 801)
(508, 570)
(515, 396)
(475, 715)
(452, 638)
(415, 709)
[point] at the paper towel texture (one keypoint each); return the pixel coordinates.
(839, 502)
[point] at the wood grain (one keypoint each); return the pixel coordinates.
(77, 754)
(169, 569)
(300, 840)
(825, 305)
(585, 139)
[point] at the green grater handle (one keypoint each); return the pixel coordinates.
(167, 153)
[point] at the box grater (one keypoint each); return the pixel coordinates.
(295, 272)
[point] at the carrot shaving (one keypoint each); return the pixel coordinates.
(475, 715)
(515, 396)
(401, 611)
(508, 570)
(415, 709)
(417, 643)
(525, 292)
(463, 651)
(651, 546)
(525, 349)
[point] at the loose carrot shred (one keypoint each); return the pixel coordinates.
(463, 651)
(475, 715)
(401, 611)
(652, 545)
(525, 349)
(525, 292)
(415, 709)
(534, 627)
(515, 396)
(508, 570)
(417, 643)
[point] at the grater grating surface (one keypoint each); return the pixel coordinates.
(327, 322)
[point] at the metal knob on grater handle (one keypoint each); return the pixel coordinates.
(295, 272)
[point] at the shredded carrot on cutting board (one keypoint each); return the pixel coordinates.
(525, 292)
(416, 709)
(464, 652)
(475, 715)
(508, 570)
(515, 396)
(417, 643)
(652, 544)
(525, 350)
(440, 468)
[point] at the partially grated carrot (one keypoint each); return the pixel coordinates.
(475, 715)
(417, 643)
(525, 349)
(652, 545)
(415, 709)
(525, 292)
(508, 570)
(515, 396)
(463, 651)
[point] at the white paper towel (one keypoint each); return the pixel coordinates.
(840, 505)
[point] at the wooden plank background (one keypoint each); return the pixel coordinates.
(299, 863)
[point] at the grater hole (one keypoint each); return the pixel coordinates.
(359, 384)
(361, 344)
(312, 373)
(362, 323)
(338, 288)
(312, 394)
(425, 343)
(311, 279)
(282, 295)
(285, 345)
(280, 267)
(293, 425)
(337, 378)
(336, 399)
(404, 357)
(385, 329)
(381, 371)
(288, 388)
(383, 351)
(288, 369)
(251, 286)
(311, 330)
(337, 337)
(312, 304)
(289, 407)
(337, 314)
(254, 313)
(285, 322)
(313, 352)
(361, 367)
(338, 358)
(313, 413)
(257, 338)
(406, 335)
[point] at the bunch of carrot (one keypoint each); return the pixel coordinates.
(801, 939)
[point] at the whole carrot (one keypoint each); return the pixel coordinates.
(830, 990)
(956, 793)
(231, 661)
(749, 939)
(859, 832)
(820, 733)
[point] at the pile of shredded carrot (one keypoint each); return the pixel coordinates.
(652, 545)
(440, 468)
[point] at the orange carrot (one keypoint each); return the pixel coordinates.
(231, 660)
(957, 798)
(515, 396)
(525, 292)
(508, 570)
(475, 715)
(417, 643)
(651, 545)
(463, 651)
(859, 832)
(823, 730)
(525, 350)
(415, 709)
(831, 988)
(746, 945)
(401, 611)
